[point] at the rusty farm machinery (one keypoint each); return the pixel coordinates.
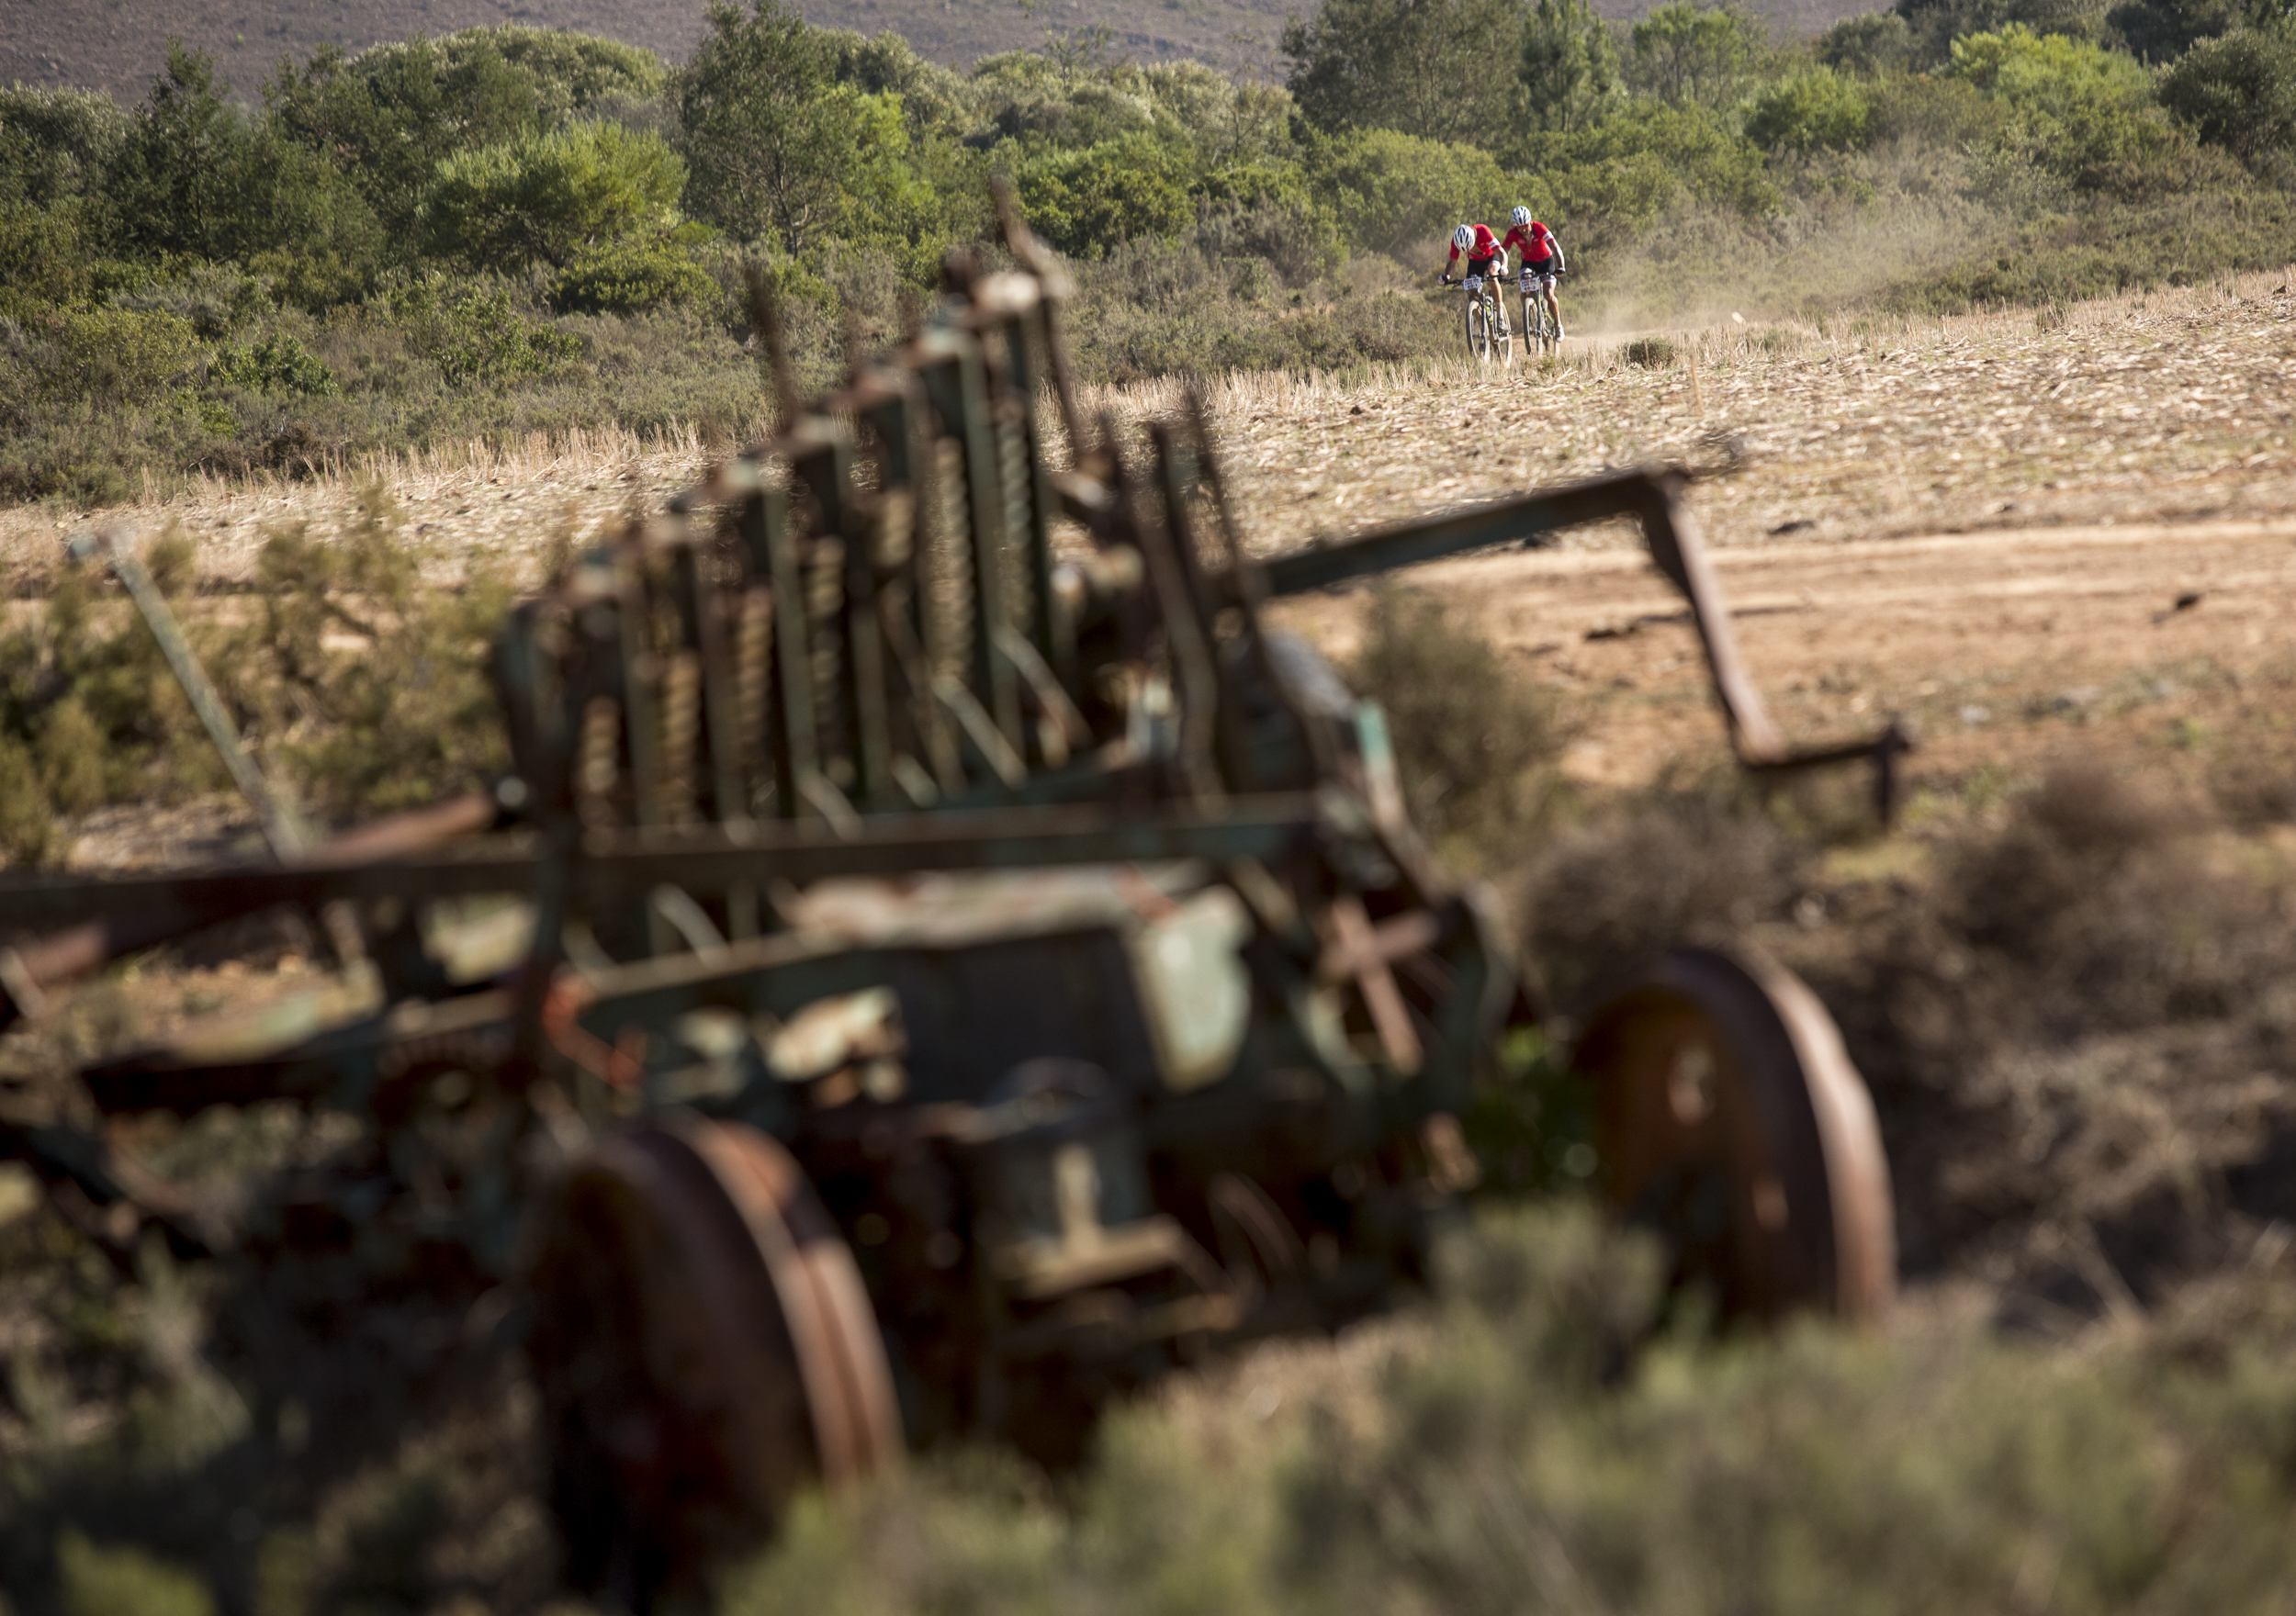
(940, 959)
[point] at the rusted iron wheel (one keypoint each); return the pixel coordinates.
(705, 1350)
(1731, 1119)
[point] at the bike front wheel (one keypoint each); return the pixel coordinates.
(1477, 328)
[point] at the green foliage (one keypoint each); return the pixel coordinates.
(1472, 733)
(2076, 110)
(100, 357)
(2162, 30)
(1869, 45)
(56, 143)
(197, 178)
(278, 363)
(763, 131)
(1688, 52)
(473, 332)
(631, 276)
(2238, 91)
(121, 1581)
(407, 718)
(1529, 1446)
(1085, 202)
(1571, 75)
(1811, 109)
(1630, 170)
(1394, 191)
(545, 198)
(1437, 69)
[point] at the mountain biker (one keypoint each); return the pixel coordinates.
(1482, 250)
(1542, 259)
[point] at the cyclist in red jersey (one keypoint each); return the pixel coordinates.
(1542, 258)
(1482, 250)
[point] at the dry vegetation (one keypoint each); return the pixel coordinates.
(2064, 976)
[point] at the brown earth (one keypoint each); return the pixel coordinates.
(2024, 533)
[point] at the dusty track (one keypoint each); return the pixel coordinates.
(1983, 524)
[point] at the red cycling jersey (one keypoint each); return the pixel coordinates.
(1486, 246)
(1536, 240)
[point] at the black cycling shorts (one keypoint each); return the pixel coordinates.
(1543, 266)
(1480, 265)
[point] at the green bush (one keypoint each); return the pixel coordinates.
(1396, 192)
(56, 143)
(1085, 202)
(123, 1581)
(2239, 91)
(473, 332)
(2076, 110)
(547, 197)
(107, 356)
(1869, 45)
(1696, 51)
(275, 364)
(631, 276)
(1813, 109)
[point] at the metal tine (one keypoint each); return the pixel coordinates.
(1054, 288)
(706, 605)
(765, 320)
(765, 525)
(1197, 686)
(906, 448)
(1042, 501)
(640, 686)
(1251, 594)
(965, 413)
(1175, 469)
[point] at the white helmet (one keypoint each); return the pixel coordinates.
(1462, 237)
(1522, 217)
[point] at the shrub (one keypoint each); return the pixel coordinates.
(1471, 732)
(1814, 109)
(473, 332)
(548, 197)
(1395, 191)
(2239, 91)
(113, 1581)
(1085, 202)
(56, 143)
(630, 276)
(277, 364)
(1685, 51)
(1871, 45)
(108, 356)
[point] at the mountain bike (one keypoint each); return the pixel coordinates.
(1542, 334)
(1485, 319)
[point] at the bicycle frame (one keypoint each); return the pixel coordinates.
(1540, 322)
(1484, 298)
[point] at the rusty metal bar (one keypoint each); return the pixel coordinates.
(627, 866)
(283, 829)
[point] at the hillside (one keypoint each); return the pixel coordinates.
(114, 45)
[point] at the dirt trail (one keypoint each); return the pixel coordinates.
(1997, 646)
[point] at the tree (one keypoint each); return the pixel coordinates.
(548, 197)
(1430, 68)
(196, 178)
(2239, 91)
(764, 130)
(1569, 65)
(1687, 53)
(1875, 44)
(390, 116)
(1811, 109)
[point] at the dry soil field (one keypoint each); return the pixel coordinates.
(2022, 531)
